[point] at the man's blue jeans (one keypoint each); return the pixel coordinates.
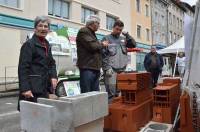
(89, 80)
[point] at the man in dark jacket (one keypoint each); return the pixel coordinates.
(115, 57)
(37, 69)
(89, 55)
(153, 63)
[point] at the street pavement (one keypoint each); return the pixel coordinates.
(8, 104)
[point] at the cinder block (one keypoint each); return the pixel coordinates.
(100, 104)
(10, 122)
(157, 127)
(36, 117)
(62, 116)
(82, 108)
(94, 126)
(88, 106)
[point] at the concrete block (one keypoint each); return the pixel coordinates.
(62, 116)
(100, 104)
(94, 126)
(10, 122)
(157, 127)
(88, 107)
(82, 108)
(36, 117)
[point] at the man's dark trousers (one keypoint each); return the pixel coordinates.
(154, 76)
(89, 80)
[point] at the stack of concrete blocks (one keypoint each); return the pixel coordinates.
(81, 113)
(89, 110)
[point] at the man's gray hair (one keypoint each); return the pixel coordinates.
(153, 47)
(91, 19)
(39, 19)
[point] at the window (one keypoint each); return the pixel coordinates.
(58, 8)
(170, 37)
(85, 13)
(140, 61)
(11, 3)
(163, 38)
(147, 34)
(156, 17)
(162, 20)
(147, 10)
(174, 37)
(181, 26)
(174, 20)
(170, 18)
(177, 22)
(138, 5)
(138, 31)
(157, 37)
(110, 22)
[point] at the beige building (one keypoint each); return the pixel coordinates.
(141, 28)
(16, 22)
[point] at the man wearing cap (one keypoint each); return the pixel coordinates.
(153, 63)
(115, 57)
(89, 55)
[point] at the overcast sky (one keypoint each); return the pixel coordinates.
(191, 2)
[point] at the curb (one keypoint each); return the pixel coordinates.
(9, 94)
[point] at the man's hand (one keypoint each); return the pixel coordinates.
(109, 72)
(105, 43)
(28, 94)
(54, 82)
(125, 33)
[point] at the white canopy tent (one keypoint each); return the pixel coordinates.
(178, 46)
(175, 48)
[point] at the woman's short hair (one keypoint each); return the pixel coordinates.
(39, 19)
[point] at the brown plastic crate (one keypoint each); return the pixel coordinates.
(125, 118)
(136, 97)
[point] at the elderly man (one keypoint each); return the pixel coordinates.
(153, 63)
(89, 55)
(115, 57)
(37, 69)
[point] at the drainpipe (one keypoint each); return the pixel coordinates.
(167, 42)
(151, 5)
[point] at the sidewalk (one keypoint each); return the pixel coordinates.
(9, 91)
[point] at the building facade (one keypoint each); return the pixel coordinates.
(175, 22)
(16, 22)
(141, 29)
(159, 23)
